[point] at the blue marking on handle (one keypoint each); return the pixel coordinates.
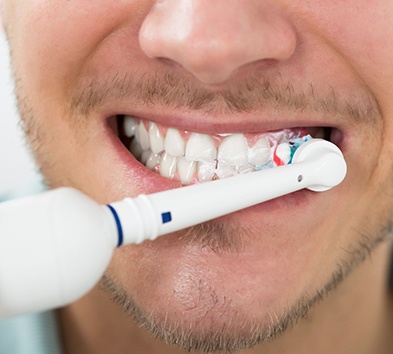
(118, 224)
(166, 217)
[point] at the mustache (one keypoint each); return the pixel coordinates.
(259, 92)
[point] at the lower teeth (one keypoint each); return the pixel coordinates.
(199, 160)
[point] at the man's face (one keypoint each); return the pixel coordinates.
(214, 68)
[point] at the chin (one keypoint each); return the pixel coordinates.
(224, 281)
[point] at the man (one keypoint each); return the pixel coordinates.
(289, 276)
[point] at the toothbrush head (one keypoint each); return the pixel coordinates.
(331, 169)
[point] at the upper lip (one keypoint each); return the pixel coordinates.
(218, 116)
(219, 123)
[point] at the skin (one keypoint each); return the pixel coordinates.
(332, 62)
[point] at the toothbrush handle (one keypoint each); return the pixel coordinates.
(319, 167)
(54, 247)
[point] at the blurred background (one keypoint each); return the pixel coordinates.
(18, 174)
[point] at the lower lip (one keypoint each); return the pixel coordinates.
(282, 209)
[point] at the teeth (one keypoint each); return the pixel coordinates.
(233, 150)
(153, 161)
(130, 126)
(168, 165)
(156, 139)
(206, 171)
(225, 170)
(186, 170)
(260, 153)
(198, 159)
(136, 149)
(200, 147)
(143, 136)
(174, 143)
(145, 156)
(245, 169)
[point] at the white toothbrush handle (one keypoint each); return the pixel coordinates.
(54, 247)
(318, 165)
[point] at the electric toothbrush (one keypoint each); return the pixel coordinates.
(54, 247)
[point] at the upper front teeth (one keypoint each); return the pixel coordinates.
(201, 157)
(234, 150)
(174, 143)
(201, 147)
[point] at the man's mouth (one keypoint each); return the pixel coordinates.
(190, 157)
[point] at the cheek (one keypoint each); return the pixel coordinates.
(369, 51)
(48, 57)
(362, 34)
(53, 41)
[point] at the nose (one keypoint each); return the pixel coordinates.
(213, 39)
